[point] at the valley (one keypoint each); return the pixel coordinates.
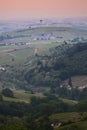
(46, 70)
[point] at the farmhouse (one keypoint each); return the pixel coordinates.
(2, 68)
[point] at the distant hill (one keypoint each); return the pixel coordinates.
(52, 34)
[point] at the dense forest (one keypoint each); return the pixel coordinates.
(36, 114)
(63, 62)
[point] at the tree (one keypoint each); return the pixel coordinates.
(83, 94)
(74, 94)
(7, 92)
(1, 98)
(82, 106)
(70, 82)
(44, 124)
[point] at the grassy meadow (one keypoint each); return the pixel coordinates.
(21, 96)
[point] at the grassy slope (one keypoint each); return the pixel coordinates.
(68, 101)
(20, 96)
(22, 54)
(71, 121)
(65, 117)
(75, 126)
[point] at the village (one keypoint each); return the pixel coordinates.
(44, 37)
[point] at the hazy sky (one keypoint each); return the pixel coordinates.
(27, 9)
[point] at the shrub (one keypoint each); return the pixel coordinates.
(7, 92)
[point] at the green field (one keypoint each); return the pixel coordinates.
(75, 126)
(22, 54)
(69, 121)
(65, 117)
(21, 96)
(72, 102)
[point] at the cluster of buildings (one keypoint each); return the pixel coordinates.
(2, 68)
(14, 44)
(44, 36)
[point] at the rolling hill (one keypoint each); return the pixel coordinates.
(47, 34)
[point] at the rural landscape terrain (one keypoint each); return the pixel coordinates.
(43, 75)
